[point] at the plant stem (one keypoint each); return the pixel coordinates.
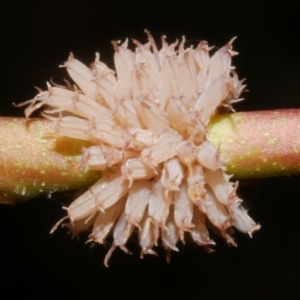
(34, 162)
(258, 143)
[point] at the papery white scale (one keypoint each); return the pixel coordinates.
(147, 124)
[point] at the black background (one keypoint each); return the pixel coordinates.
(37, 36)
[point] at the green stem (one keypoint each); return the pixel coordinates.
(33, 163)
(252, 144)
(258, 143)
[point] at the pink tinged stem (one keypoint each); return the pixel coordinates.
(251, 144)
(34, 163)
(258, 143)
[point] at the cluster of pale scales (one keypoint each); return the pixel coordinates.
(147, 126)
